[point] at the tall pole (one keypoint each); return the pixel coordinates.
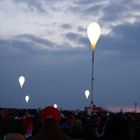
(135, 104)
(92, 78)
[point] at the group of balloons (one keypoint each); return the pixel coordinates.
(21, 82)
(93, 32)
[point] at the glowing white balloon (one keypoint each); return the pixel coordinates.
(27, 98)
(87, 93)
(21, 81)
(55, 106)
(93, 32)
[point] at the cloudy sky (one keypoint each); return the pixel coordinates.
(46, 41)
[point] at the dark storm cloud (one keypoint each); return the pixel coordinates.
(135, 6)
(111, 10)
(66, 26)
(128, 38)
(37, 39)
(131, 32)
(51, 47)
(77, 38)
(118, 10)
(87, 2)
(72, 36)
(89, 7)
(81, 29)
(27, 45)
(93, 9)
(19, 49)
(123, 40)
(32, 4)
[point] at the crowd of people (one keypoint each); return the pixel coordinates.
(53, 124)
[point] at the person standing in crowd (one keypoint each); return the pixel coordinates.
(50, 130)
(117, 128)
(14, 136)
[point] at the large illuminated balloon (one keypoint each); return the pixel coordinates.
(87, 93)
(93, 32)
(27, 98)
(21, 81)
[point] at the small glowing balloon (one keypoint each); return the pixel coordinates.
(93, 32)
(87, 93)
(27, 98)
(21, 81)
(55, 106)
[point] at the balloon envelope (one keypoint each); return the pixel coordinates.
(21, 81)
(93, 32)
(87, 93)
(27, 98)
